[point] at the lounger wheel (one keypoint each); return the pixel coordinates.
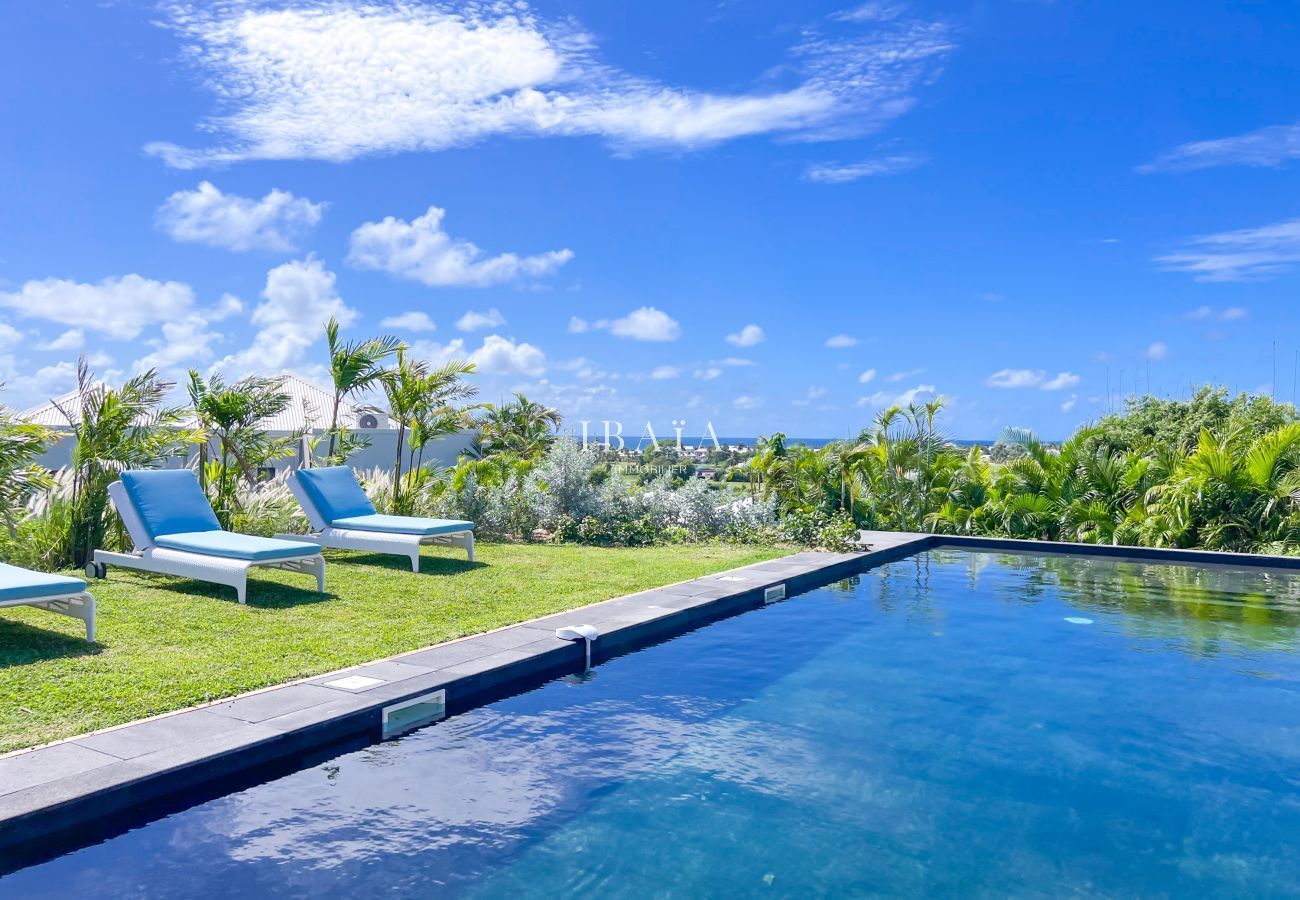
(96, 569)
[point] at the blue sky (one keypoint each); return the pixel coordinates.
(765, 215)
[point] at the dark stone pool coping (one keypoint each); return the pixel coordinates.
(79, 789)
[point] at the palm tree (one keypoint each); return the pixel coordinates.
(422, 403)
(521, 428)
(443, 410)
(115, 430)
(355, 367)
(20, 445)
(231, 416)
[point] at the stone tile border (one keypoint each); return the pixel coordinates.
(65, 792)
(77, 789)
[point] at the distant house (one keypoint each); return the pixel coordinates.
(308, 412)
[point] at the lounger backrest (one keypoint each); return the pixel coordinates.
(314, 517)
(130, 518)
(335, 492)
(169, 501)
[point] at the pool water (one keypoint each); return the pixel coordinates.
(951, 724)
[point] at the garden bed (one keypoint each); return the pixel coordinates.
(168, 643)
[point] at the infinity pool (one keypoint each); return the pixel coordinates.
(951, 724)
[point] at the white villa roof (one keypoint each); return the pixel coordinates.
(48, 413)
(309, 409)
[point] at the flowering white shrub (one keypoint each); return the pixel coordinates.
(561, 496)
(268, 508)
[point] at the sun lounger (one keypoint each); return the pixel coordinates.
(54, 593)
(342, 517)
(175, 532)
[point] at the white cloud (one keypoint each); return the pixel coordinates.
(414, 320)
(500, 355)
(207, 216)
(496, 356)
(1069, 404)
(1244, 255)
(895, 377)
(184, 343)
(1062, 381)
(583, 368)
(665, 372)
(120, 307)
(734, 361)
(874, 11)
(1229, 314)
(816, 393)
(747, 336)
(229, 305)
(298, 299)
(644, 324)
(1031, 378)
(842, 341)
(919, 394)
(11, 337)
(475, 321)
(578, 326)
(420, 250)
(1270, 146)
(1157, 351)
(72, 339)
(867, 377)
(1016, 378)
(24, 388)
(746, 402)
(708, 374)
(841, 173)
(334, 81)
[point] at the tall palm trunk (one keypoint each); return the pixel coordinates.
(334, 424)
(397, 468)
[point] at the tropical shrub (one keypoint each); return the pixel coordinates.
(1136, 478)
(114, 430)
(235, 447)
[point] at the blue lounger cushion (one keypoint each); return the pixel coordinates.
(169, 501)
(24, 584)
(335, 492)
(403, 524)
(232, 545)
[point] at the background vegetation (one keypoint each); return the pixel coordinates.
(1211, 471)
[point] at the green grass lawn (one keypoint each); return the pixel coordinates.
(167, 643)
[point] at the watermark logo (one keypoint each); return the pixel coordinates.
(611, 436)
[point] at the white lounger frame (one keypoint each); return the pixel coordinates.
(390, 542)
(200, 566)
(80, 605)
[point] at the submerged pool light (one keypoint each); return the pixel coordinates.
(585, 633)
